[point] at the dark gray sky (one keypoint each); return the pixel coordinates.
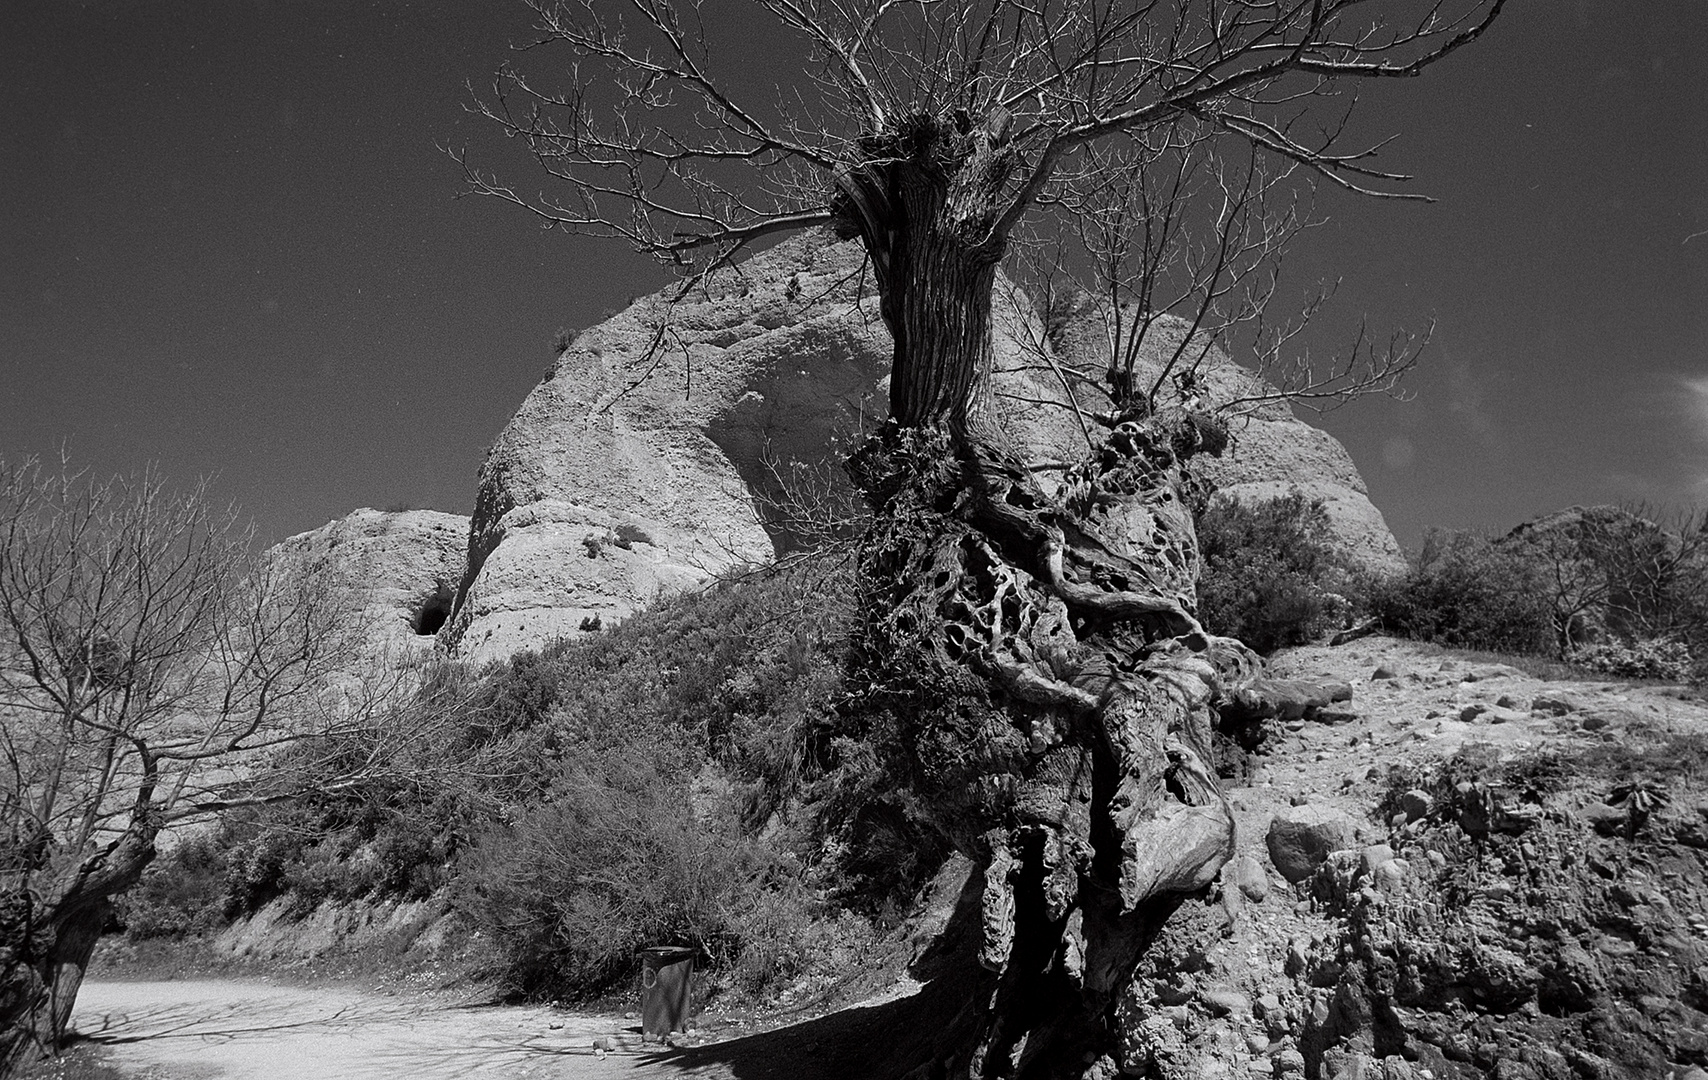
(229, 244)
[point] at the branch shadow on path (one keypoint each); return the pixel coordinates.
(242, 1017)
(864, 1042)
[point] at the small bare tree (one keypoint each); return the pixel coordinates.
(1047, 687)
(1175, 250)
(151, 659)
(1635, 572)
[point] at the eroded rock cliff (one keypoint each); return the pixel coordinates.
(654, 453)
(405, 566)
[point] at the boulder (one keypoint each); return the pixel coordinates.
(1416, 804)
(1246, 874)
(1302, 837)
(1557, 702)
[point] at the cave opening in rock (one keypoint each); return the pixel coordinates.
(433, 610)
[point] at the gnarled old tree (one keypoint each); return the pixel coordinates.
(150, 662)
(1035, 646)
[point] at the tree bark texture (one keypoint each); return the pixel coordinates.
(48, 934)
(1040, 686)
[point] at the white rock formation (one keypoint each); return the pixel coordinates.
(631, 469)
(647, 459)
(405, 564)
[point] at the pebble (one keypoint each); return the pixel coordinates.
(1500, 715)
(1471, 712)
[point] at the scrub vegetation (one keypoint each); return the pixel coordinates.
(711, 771)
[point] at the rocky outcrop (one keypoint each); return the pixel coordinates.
(405, 566)
(642, 462)
(659, 449)
(1477, 899)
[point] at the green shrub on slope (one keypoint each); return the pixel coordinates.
(1271, 576)
(1468, 593)
(634, 786)
(683, 737)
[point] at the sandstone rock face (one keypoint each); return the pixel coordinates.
(657, 451)
(407, 565)
(633, 469)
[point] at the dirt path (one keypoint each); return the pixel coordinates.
(221, 1029)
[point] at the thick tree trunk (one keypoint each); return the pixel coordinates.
(1041, 687)
(22, 992)
(74, 943)
(37, 994)
(47, 939)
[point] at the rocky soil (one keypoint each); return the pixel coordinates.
(1461, 871)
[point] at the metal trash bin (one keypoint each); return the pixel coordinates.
(666, 985)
